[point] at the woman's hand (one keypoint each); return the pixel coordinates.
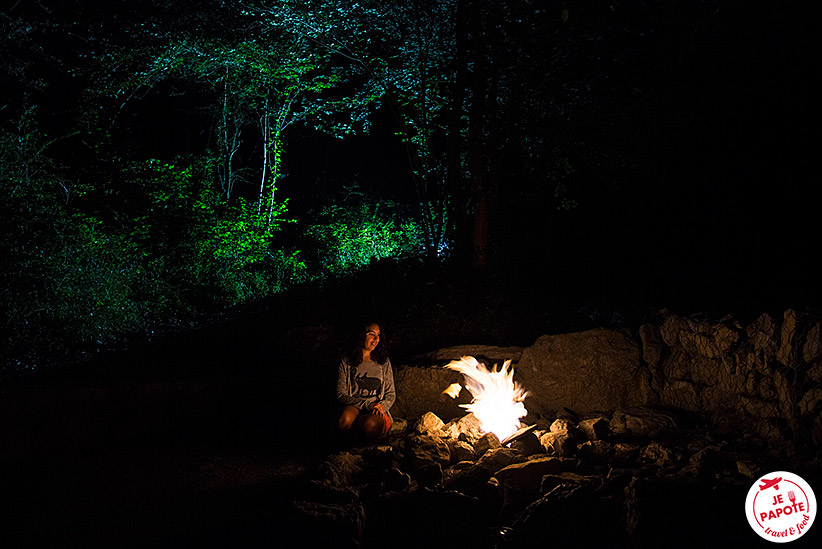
(377, 408)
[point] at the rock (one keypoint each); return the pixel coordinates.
(588, 371)
(595, 451)
(623, 452)
(425, 450)
(428, 422)
(643, 422)
(652, 345)
(460, 451)
(531, 470)
(574, 465)
(757, 407)
(549, 482)
(658, 455)
(520, 482)
(398, 425)
(329, 525)
(381, 456)
(419, 390)
(342, 470)
(470, 480)
(528, 445)
(429, 475)
(567, 413)
(395, 480)
(561, 425)
(570, 515)
(749, 469)
(595, 428)
(707, 462)
(497, 458)
(485, 443)
(680, 394)
(816, 432)
(559, 444)
(466, 427)
(699, 337)
(562, 438)
(322, 491)
(774, 431)
(812, 350)
(811, 402)
(789, 347)
(481, 352)
(762, 335)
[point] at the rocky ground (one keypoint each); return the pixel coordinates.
(634, 478)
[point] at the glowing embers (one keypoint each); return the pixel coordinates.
(497, 401)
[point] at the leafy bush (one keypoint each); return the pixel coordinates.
(91, 279)
(171, 245)
(207, 250)
(351, 234)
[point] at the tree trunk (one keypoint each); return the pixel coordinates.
(478, 149)
(456, 183)
(275, 171)
(265, 129)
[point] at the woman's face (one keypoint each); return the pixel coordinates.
(372, 338)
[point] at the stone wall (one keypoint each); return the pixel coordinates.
(769, 370)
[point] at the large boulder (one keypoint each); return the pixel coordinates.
(420, 390)
(587, 371)
(489, 353)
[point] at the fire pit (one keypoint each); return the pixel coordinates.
(497, 399)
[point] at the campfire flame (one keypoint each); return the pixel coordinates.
(497, 401)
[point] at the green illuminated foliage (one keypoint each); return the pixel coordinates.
(211, 250)
(402, 54)
(173, 245)
(358, 230)
(259, 80)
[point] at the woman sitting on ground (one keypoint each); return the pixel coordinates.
(365, 384)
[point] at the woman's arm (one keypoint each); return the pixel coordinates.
(389, 392)
(344, 396)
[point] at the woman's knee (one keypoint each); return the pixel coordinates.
(373, 425)
(347, 417)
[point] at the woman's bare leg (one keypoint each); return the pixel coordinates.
(370, 425)
(348, 417)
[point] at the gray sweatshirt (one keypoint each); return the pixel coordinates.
(368, 383)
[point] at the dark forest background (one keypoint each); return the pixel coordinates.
(161, 162)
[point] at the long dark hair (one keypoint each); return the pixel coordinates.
(356, 341)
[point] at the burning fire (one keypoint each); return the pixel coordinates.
(497, 401)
